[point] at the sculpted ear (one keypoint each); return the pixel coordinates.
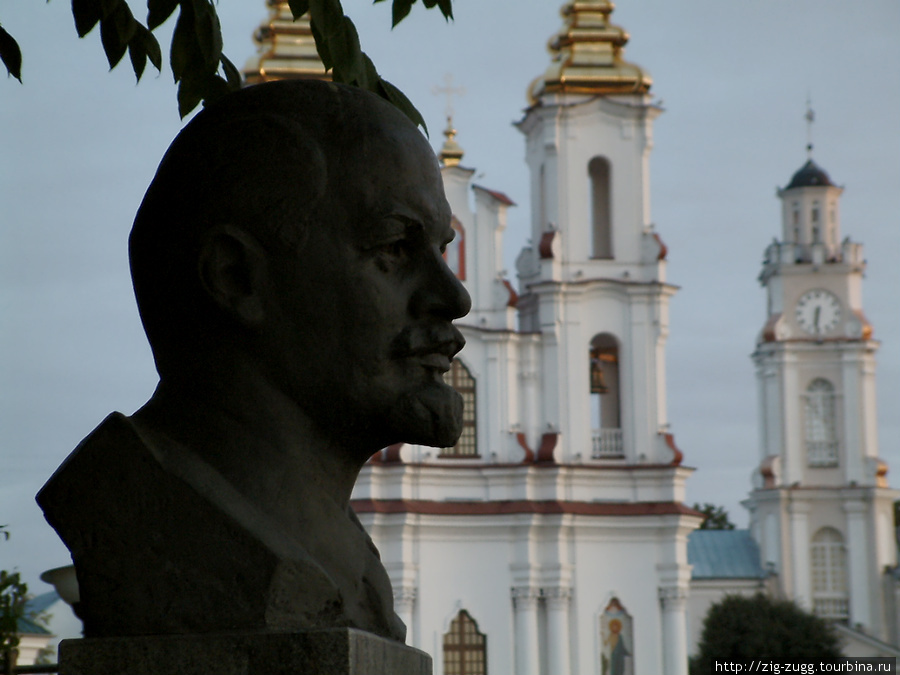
(232, 267)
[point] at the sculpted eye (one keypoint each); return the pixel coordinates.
(393, 254)
(396, 249)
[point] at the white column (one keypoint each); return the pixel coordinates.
(857, 563)
(525, 619)
(793, 436)
(558, 639)
(851, 406)
(404, 602)
(673, 602)
(798, 549)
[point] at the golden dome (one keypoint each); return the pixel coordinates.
(286, 48)
(451, 153)
(587, 55)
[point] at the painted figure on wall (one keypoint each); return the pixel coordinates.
(616, 640)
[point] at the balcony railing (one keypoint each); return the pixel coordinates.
(607, 444)
(822, 453)
(835, 608)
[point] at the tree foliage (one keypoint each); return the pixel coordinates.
(200, 68)
(13, 596)
(760, 628)
(716, 517)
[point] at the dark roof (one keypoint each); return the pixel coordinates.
(724, 554)
(809, 175)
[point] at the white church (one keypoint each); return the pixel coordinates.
(553, 539)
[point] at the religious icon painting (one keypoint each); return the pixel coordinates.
(616, 640)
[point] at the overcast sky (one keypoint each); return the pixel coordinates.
(79, 145)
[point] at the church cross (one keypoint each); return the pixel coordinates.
(449, 90)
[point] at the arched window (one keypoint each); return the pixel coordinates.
(828, 560)
(600, 172)
(465, 649)
(605, 399)
(821, 432)
(461, 379)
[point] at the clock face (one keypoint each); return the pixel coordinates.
(818, 312)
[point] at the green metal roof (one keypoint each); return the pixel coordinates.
(724, 554)
(40, 603)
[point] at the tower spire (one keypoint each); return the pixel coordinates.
(810, 118)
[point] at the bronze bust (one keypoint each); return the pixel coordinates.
(287, 264)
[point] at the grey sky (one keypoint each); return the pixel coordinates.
(78, 147)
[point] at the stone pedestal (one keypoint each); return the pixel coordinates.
(337, 651)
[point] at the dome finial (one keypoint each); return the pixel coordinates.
(451, 153)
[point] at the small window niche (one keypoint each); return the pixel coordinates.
(600, 174)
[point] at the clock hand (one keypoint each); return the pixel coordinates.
(816, 318)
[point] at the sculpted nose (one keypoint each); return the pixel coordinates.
(441, 293)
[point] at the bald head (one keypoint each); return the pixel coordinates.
(270, 160)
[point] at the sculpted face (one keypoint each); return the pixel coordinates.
(361, 323)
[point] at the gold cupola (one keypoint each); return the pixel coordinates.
(451, 152)
(286, 48)
(587, 56)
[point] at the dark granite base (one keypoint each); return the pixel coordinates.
(338, 651)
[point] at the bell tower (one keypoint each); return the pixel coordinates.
(595, 272)
(821, 509)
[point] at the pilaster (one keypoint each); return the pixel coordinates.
(525, 619)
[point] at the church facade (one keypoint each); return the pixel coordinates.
(553, 537)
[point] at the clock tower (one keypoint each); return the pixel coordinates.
(821, 509)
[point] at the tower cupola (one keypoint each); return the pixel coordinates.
(587, 55)
(286, 48)
(809, 175)
(810, 219)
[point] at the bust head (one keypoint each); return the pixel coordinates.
(298, 227)
(287, 263)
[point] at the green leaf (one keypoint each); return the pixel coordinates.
(346, 54)
(137, 52)
(107, 7)
(86, 13)
(214, 89)
(370, 79)
(151, 46)
(396, 97)
(116, 31)
(208, 31)
(11, 56)
(183, 44)
(298, 7)
(322, 47)
(232, 76)
(158, 11)
(399, 10)
(327, 16)
(143, 45)
(189, 96)
(446, 7)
